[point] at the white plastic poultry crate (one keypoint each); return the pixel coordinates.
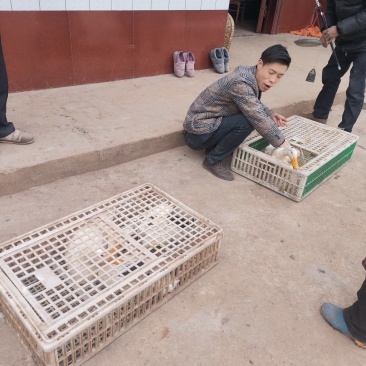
(70, 288)
(323, 151)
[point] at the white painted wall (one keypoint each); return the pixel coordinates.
(113, 5)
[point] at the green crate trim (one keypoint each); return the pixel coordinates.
(327, 169)
(259, 145)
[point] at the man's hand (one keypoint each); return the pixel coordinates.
(328, 35)
(285, 144)
(279, 120)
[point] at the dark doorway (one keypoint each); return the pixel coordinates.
(269, 17)
(247, 20)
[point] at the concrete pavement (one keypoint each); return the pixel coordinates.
(89, 127)
(279, 259)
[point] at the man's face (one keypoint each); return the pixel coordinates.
(269, 74)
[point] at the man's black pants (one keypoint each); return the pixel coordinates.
(331, 78)
(6, 128)
(355, 315)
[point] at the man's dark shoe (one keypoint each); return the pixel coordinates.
(313, 118)
(333, 315)
(218, 169)
(344, 128)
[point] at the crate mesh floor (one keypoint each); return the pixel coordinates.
(323, 151)
(122, 257)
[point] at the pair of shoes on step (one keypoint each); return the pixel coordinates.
(18, 137)
(333, 315)
(220, 59)
(183, 63)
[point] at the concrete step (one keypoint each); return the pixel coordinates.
(85, 128)
(279, 259)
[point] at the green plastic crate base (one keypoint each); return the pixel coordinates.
(70, 288)
(323, 151)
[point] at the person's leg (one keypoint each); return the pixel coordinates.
(349, 321)
(331, 78)
(232, 131)
(355, 315)
(8, 133)
(196, 142)
(222, 142)
(6, 128)
(355, 92)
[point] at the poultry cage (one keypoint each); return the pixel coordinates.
(70, 288)
(323, 151)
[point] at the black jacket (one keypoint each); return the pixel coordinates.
(350, 18)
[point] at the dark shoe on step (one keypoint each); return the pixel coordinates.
(219, 170)
(333, 315)
(346, 129)
(313, 118)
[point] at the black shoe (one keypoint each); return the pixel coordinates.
(344, 129)
(313, 118)
(218, 169)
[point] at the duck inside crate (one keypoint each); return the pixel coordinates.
(323, 150)
(73, 286)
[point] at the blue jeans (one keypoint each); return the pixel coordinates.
(331, 78)
(6, 128)
(232, 131)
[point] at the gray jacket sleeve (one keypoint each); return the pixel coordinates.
(256, 113)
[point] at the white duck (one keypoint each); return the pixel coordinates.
(287, 155)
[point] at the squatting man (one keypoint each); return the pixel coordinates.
(228, 110)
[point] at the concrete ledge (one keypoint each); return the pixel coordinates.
(306, 106)
(95, 126)
(24, 178)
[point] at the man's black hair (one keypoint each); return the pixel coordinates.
(276, 53)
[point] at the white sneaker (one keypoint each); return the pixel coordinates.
(18, 137)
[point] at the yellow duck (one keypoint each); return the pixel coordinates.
(287, 155)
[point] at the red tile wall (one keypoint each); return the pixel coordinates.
(303, 10)
(157, 34)
(204, 31)
(101, 45)
(53, 49)
(36, 48)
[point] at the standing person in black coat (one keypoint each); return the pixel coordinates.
(346, 22)
(350, 321)
(8, 133)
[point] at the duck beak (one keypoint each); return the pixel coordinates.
(295, 163)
